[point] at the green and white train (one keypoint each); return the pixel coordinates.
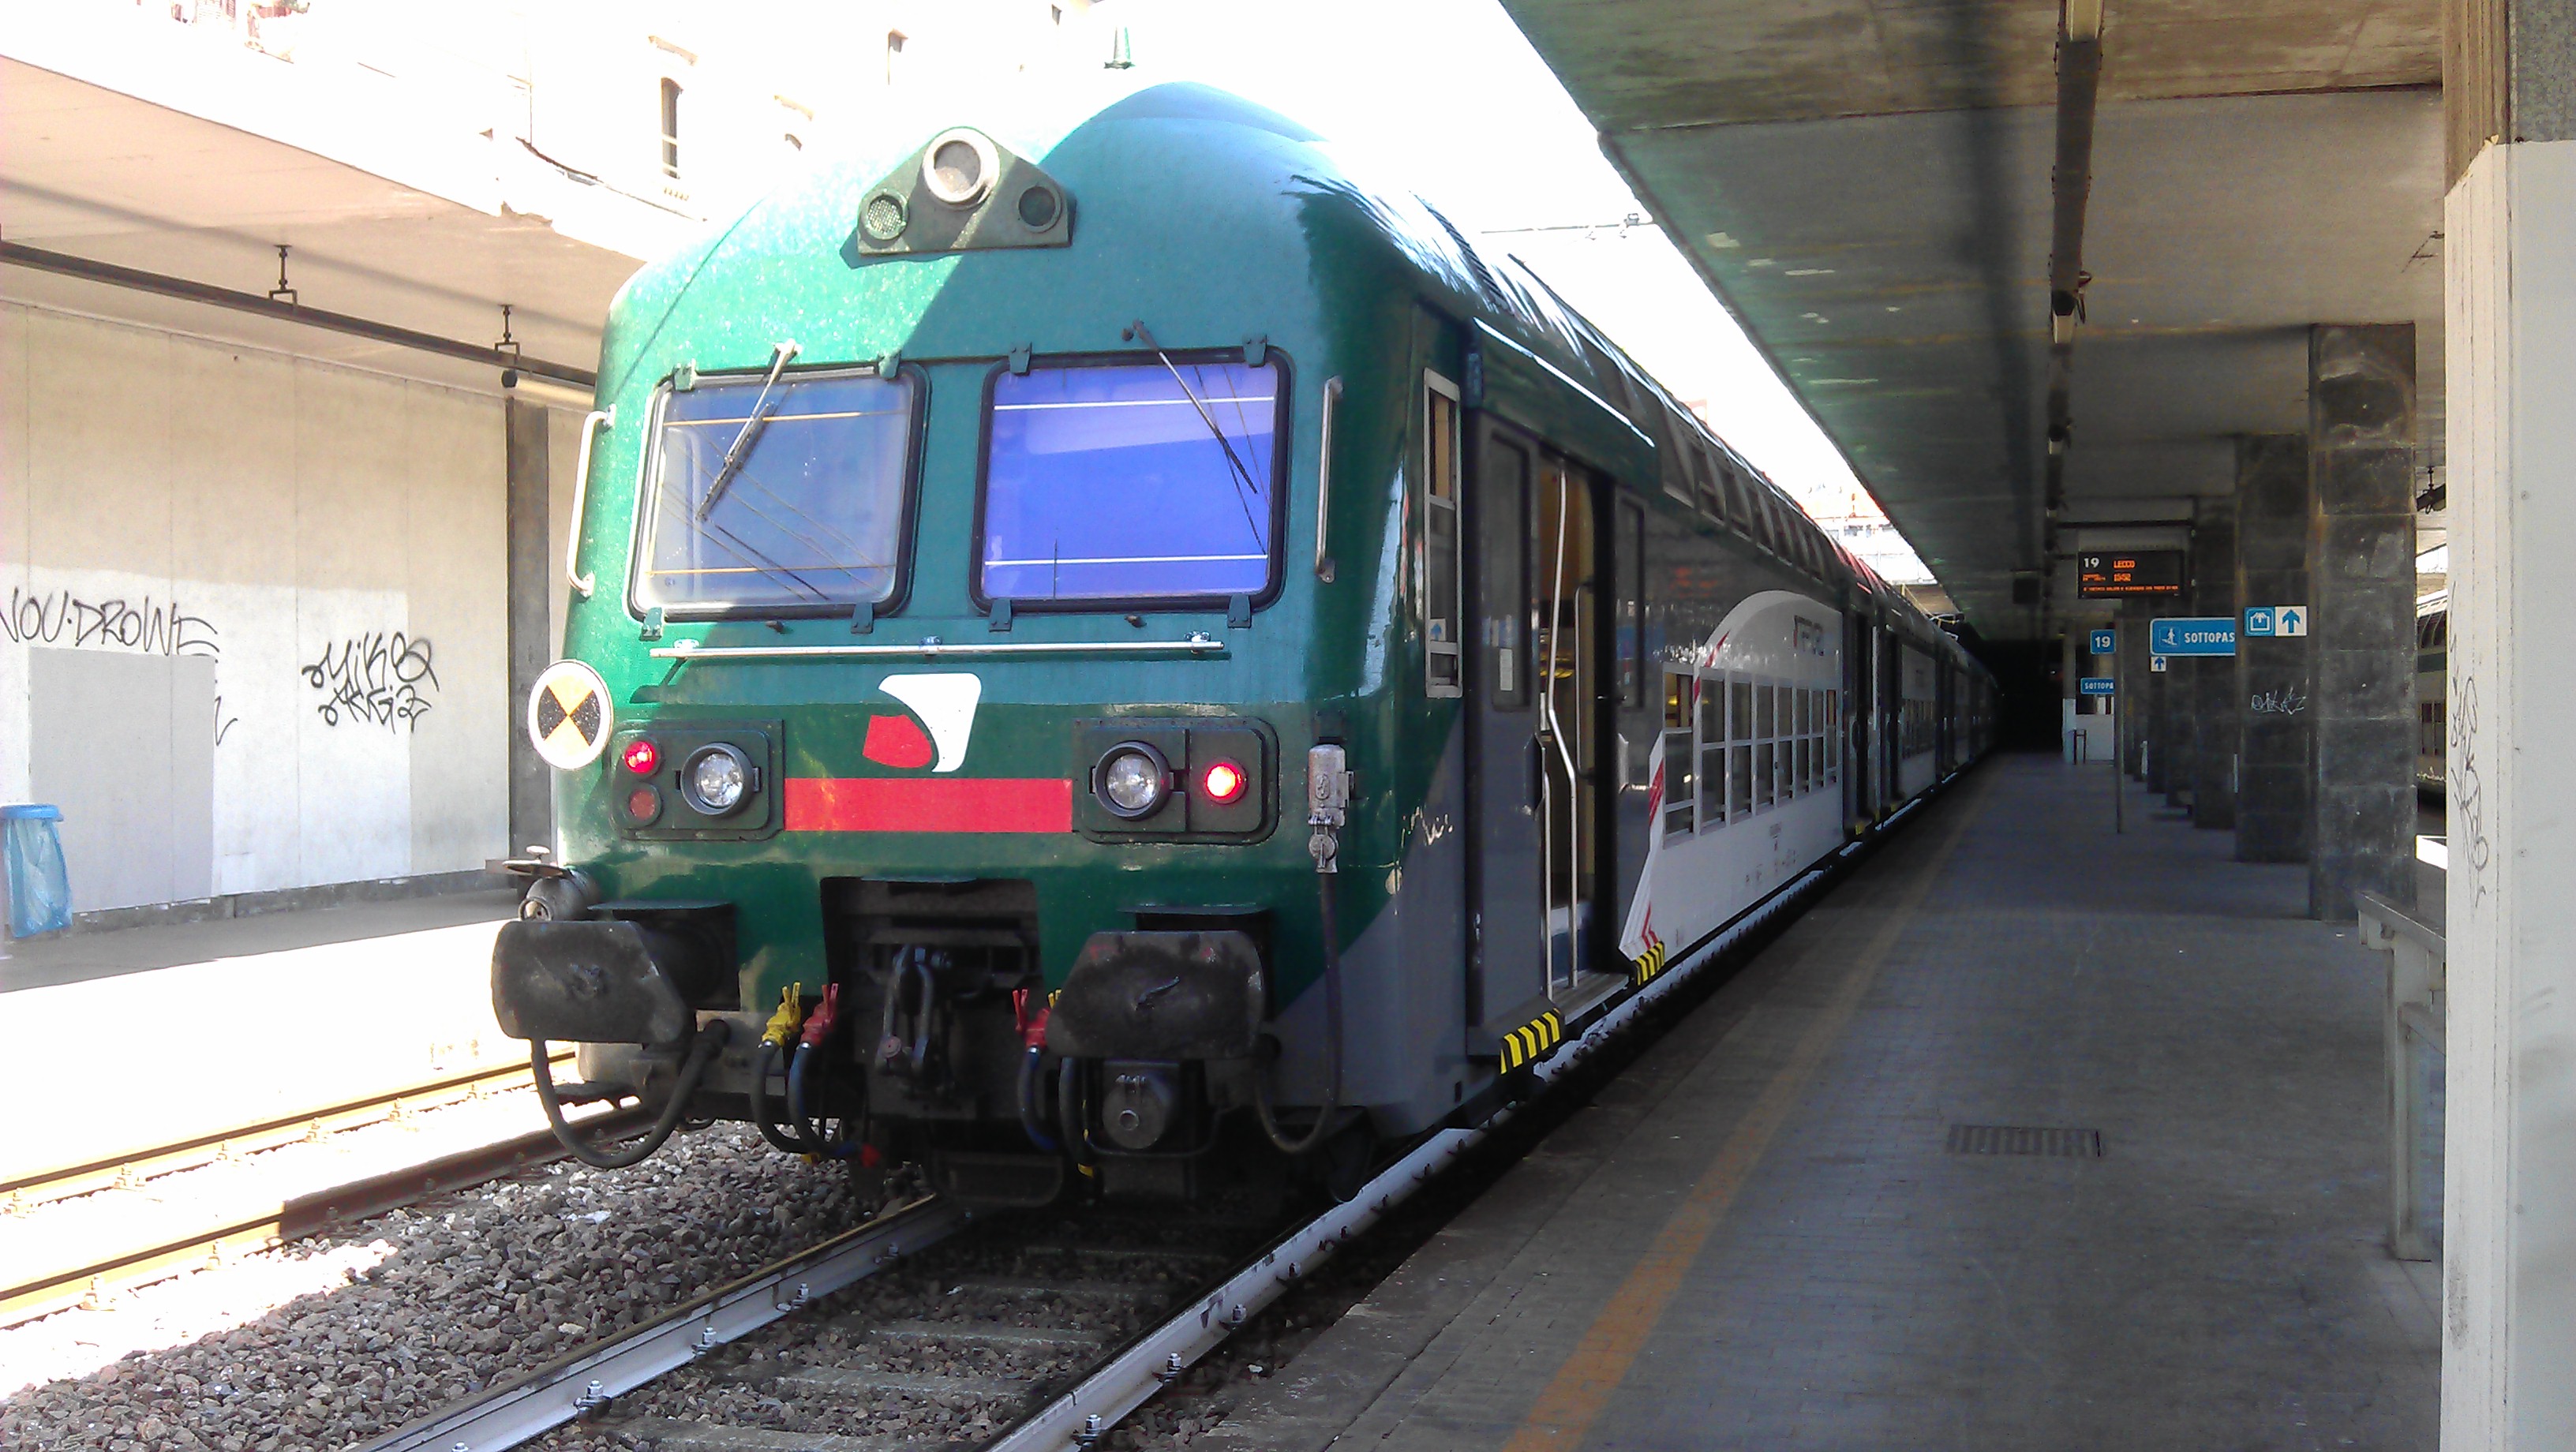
(1108, 660)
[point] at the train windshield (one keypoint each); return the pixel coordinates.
(783, 498)
(1131, 482)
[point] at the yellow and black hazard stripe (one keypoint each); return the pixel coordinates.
(1533, 1041)
(1649, 964)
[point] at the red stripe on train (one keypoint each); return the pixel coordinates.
(929, 804)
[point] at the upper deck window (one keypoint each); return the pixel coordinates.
(1116, 482)
(806, 519)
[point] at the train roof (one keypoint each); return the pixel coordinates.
(1195, 144)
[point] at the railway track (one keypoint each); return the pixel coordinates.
(927, 1325)
(76, 1272)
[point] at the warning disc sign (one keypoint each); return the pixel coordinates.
(569, 715)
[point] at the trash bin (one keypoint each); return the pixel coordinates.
(40, 889)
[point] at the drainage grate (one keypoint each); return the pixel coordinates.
(2023, 1139)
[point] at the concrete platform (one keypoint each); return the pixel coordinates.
(1765, 1233)
(149, 1036)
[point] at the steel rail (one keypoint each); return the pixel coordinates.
(1080, 1416)
(293, 1218)
(88, 269)
(125, 1170)
(588, 1378)
(591, 1377)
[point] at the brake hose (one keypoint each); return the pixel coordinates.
(702, 1052)
(763, 1064)
(1029, 1120)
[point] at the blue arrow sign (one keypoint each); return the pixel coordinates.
(2105, 642)
(2193, 635)
(2095, 685)
(2258, 622)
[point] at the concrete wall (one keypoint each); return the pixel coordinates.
(329, 540)
(2509, 1206)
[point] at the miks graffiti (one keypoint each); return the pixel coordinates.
(376, 679)
(59, 617)
(2468, 785)
(2288, 702)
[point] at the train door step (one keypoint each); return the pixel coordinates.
(1531, 1030)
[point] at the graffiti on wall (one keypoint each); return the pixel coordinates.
(153, 627)
(376, 679)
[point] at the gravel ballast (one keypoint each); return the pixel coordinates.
(426, 1305)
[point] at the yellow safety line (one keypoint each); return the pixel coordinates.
(1565, 1411)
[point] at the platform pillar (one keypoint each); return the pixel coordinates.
(2509, 1203)
(2274, 774)
(2361, 594)
(531, 584)
(2134, 677)
(2213, 679)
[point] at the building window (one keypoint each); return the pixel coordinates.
(670, 128)
(894, 50)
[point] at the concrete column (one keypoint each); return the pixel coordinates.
(2275, 812)
(2509, 284)
(2213, 678)
(531, 585)
(2133, 686)
(2180, 734)
(2159, 725)
(2361, 595)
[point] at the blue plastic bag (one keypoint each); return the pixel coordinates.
(40, 888)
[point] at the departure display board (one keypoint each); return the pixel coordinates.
(2137, 572)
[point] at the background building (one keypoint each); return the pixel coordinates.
(277, 565)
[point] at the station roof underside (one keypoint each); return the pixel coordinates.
(1867, 185)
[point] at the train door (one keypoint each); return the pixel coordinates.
(1533, 682)
(1854, 744)
(1562, 646)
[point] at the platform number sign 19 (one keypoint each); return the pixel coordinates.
(2105, 642)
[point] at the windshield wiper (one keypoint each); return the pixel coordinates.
(740, 450)
(1244, 488)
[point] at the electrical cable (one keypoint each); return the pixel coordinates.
(1029, 1117)
(702, 1052)
(762, 1066)
(1325, 1113)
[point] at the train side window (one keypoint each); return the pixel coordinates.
(1502, 569)
(1441, 604)
(1833, 735)
(1766, 747)
(1739, 747)
(1712, 751)
(1679, 802)
(1788, 759)
(1629, 542)
(1803, 701)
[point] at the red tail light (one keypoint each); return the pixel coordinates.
(1222, 782)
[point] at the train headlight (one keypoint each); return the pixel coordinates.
(716, 779)
(1133, 780)
(958, 167)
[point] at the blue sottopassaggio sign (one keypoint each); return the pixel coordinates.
(2192, 635)
(2094, 685)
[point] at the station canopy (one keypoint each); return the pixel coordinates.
(1869, 188)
